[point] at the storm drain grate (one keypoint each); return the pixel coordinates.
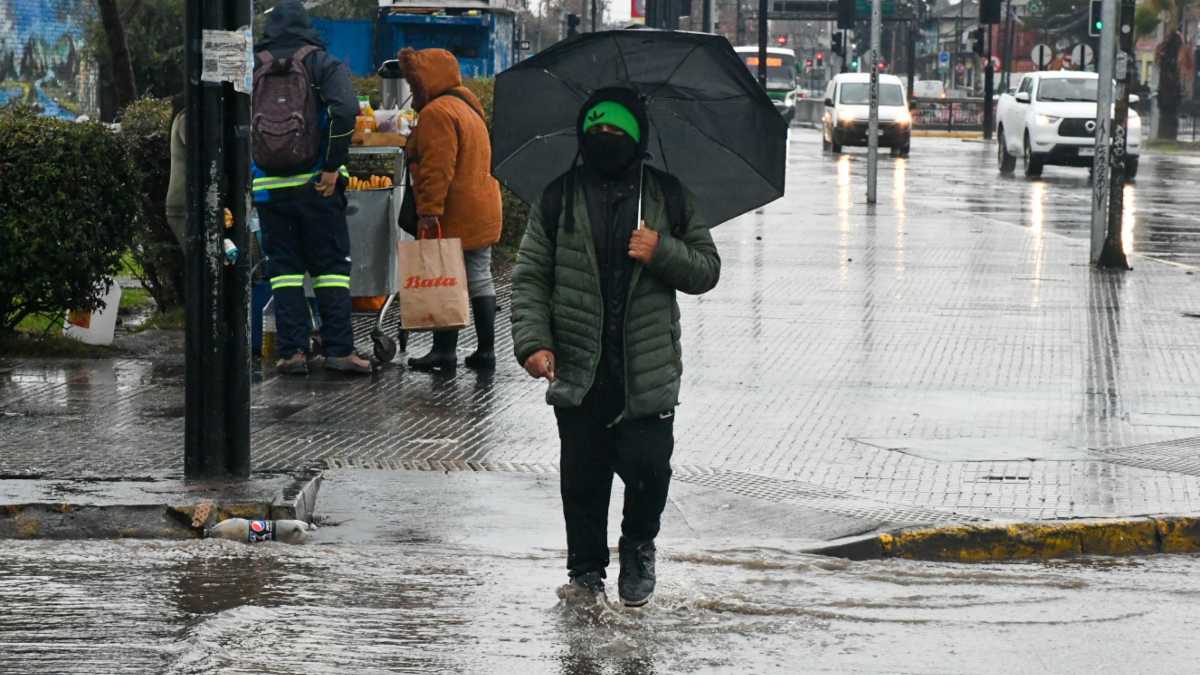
(767, 488)
(1181, 455)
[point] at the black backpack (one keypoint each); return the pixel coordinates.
(552, 203)
(285, 130)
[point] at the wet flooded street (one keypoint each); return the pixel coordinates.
(944, 358)
(395, 606)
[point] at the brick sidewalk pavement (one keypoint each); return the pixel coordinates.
(923, 358)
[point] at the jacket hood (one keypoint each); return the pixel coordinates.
(626, 97)
(431, 72)
(288, 25)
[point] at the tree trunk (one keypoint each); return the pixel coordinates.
(1169, 91)
(124, 87)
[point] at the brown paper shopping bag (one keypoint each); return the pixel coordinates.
(433, 284)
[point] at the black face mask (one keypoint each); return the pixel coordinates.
(610, 155)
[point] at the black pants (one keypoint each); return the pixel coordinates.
(639, 451)
(308, 233)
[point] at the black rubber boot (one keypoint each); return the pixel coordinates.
(484, 357)
(443, 356)
(636, 581)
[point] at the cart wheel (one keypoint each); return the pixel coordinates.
(403, 335)
(385, 347)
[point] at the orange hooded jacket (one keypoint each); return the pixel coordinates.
(450, 152)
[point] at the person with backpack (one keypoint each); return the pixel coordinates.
(303, 117)
(595, 314)
(456, 197)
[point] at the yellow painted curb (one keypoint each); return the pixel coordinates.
(934, 133)
(1030, 540)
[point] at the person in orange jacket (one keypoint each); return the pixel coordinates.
(450, 161)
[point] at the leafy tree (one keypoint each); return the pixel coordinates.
(121, 66)
(154, 35)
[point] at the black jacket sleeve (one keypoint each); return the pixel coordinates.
(331, 78)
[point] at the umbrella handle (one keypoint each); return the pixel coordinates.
(641, 189)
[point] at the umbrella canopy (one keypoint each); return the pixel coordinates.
(711, 125)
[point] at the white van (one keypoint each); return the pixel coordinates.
(847, 110)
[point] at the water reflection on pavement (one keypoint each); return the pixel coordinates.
(211, 606)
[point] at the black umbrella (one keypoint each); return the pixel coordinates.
(711, 125)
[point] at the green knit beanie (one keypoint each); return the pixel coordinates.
(613, 114)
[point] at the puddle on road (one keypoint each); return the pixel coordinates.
(203, 607)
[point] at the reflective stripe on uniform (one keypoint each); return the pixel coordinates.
(331, 281)
(276, 182)
(287, 281)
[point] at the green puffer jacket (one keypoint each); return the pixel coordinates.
(557, 303)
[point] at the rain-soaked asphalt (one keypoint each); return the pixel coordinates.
(390, 585)
(403, 605)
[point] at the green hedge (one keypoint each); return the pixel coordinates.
(68, 207)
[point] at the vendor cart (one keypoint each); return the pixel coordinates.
(372, 214)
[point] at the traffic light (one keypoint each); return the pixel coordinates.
(854, 61)
(989, 11)
(1096, 18)
(820, 59)
(837, 47)
(572, 25)
(846, 14)
(781, 40)
(808, 64)
(977, 41)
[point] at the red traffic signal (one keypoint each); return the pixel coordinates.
(820, 58)
(808, 63)
(781, 40)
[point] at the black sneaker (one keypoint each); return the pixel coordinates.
(583, 588)
(636, 581)
(591, 582)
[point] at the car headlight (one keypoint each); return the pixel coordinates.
(1048, 120)
(904, 118)
(845, 117)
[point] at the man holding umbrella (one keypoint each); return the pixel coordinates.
(595, 314)
(662, 135)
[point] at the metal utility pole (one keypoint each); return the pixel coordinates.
(956, 56)
(911, 57)
(1101, 167)
(1112, 249)
(762, 43)
(594, 16)
(873, 124)
(989, 87)
(217, 349)
(708, 25)
(1008, 46)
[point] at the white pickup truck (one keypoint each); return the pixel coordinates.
(1050, 118)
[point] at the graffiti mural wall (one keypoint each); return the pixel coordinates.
(41, 56)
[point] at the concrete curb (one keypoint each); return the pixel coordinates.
(169, 517)
(1146, 535)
